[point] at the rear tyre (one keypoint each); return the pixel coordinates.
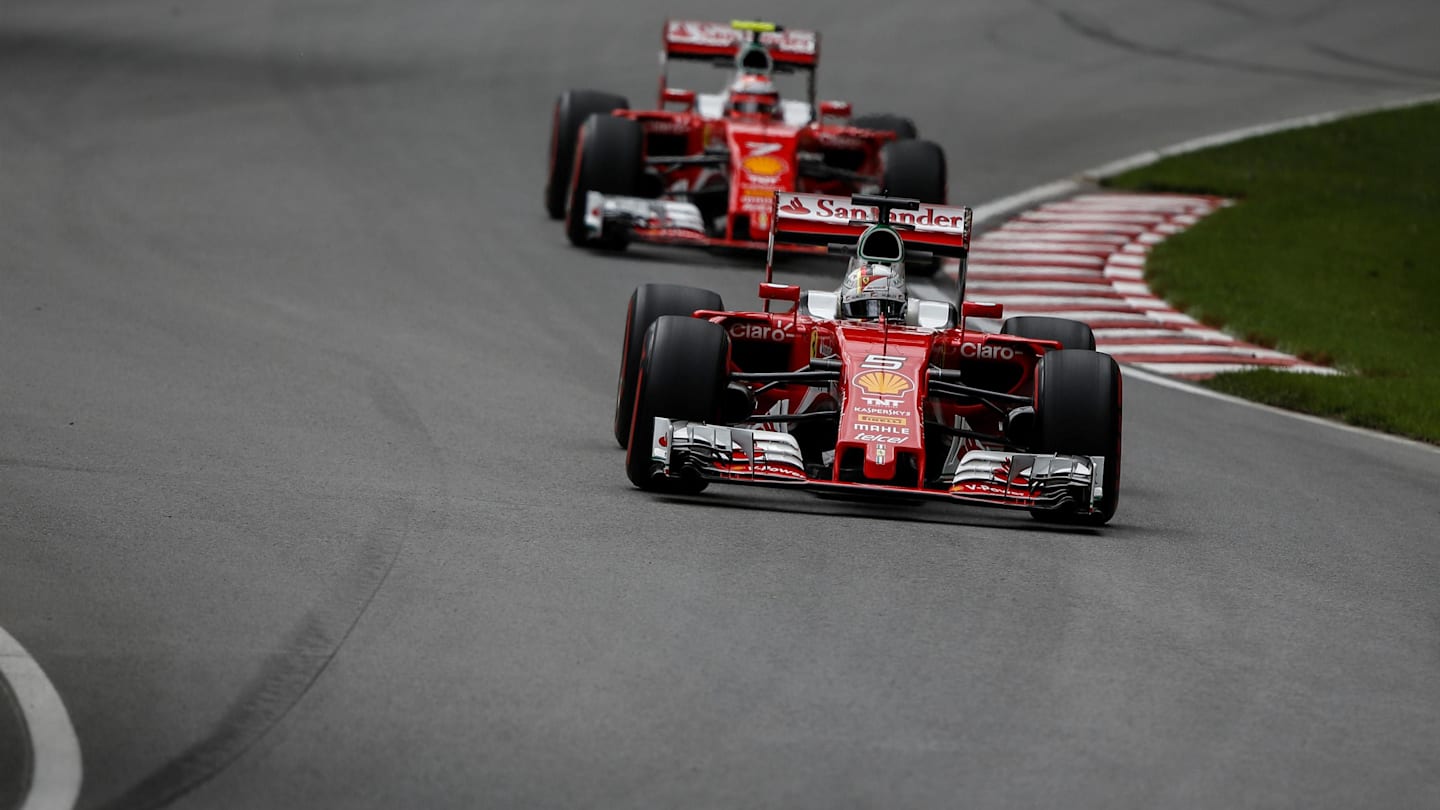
(904, 128)
(572, 107)
(647, 304)
(1069, 334)
(1077, 412)
(682, 375)
(609, 158)
(915, 169)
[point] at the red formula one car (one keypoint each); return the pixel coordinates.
(867, 391)
(704, 169)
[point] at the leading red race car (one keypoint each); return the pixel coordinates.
(704, 169)
(864, 390)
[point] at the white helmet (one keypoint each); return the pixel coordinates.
(875, 281)
(752, 96)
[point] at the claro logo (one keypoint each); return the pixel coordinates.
(982, 352)
(760, 330)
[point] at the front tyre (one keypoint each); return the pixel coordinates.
(648, 304)
(682, 374)
(572, 108)
(1069, 334)
(1078, 412)
(610, 159)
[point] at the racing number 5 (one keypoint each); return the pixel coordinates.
(884, 362)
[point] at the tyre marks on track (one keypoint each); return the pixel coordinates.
(287, 674)
(1084, 258)
(305, 655)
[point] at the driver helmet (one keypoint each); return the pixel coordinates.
(873, 289)
(752, 96)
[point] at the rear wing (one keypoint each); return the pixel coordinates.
(838, 222)
(822, 219)
(790, 48)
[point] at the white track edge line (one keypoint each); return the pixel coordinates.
(56, 768)
(1188, 387)
(995, 209)
(983, 214)
(1115, 167)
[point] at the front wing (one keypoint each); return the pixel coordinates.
(664, 222)
(770, 458)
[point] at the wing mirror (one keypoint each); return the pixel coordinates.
(981, 309)
(780, 292)
(674, 95)
(840, 110)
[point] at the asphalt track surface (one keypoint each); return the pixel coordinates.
(308, 498)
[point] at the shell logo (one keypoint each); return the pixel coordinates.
(764, 165)
(883, 383)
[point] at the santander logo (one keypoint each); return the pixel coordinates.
(794, 206)
(822, 208)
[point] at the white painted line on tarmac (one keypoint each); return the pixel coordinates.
(1206, 349)
(1025, 199)
(1046, 215)
(1181, 385)
(1028, 246)
(1013, 286)
(1032, 270)
(1029, 301)
(1026, 226)
(1005, 206)
(995, 209)
(1005, 234)
(56, 767)
(1011, 257)
(1222, 138)
(1147, 334)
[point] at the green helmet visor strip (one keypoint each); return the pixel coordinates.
(880, 243)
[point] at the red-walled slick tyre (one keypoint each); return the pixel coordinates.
(1077, 412)
(682, 375)
(647, 304)
(572, 107)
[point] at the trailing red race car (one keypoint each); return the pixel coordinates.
(703, 169)
(865, 390)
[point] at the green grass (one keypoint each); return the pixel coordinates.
(1332, 254)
